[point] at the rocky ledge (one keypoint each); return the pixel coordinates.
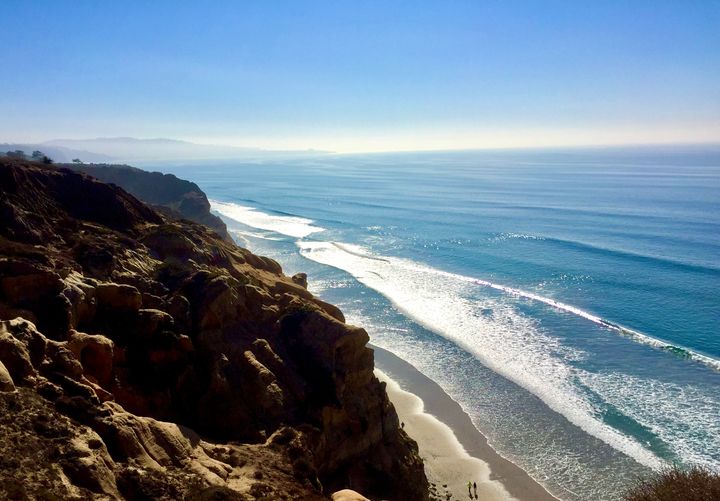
(143, 357)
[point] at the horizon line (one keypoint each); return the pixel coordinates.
(527, 147)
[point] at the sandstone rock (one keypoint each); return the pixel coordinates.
(88, 464)
(217, 304)
(81, 296)
(14, 354)
(170, 242)
(290, 287)
(262, 262)
(151, 301)
(27, 333)
(6, 382)
(300, 279)
(95, 353)
(45, 455)
(152, 444)
(118, 297)
(348, 495)
(24, 288)
(337, 348)
(179, 308)
(265, 354)
(330, 309)
(150, 322)
(62, 360)
(263, 386)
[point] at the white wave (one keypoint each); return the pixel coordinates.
(625, 331)
(492, 330)
(662, 407)
(293, 226)
(637, 336)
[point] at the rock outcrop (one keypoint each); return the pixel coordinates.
(144, 357)
(169, 194)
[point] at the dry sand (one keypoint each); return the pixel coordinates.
(454, 451)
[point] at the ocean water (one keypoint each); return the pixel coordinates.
(568, 300)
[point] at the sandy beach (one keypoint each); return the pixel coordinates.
(454, 451)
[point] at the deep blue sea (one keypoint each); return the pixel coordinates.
(568, 300)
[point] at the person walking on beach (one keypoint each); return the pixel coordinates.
(475, 489)
(469, 491)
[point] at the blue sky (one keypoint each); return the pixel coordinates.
(363, 75)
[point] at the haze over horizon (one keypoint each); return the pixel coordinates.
(373, 77)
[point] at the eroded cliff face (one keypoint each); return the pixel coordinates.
(165, 192)
(144, 357)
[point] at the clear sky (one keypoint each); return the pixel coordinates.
(362, 75)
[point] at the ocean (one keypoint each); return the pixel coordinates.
(567, 300)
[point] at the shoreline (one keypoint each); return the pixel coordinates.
(451, 445)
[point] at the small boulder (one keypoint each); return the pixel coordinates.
(95, 353)
(63, 361)
(150, 321)
(13, 353)
(118, 297)
(6, 382)
(152, 301)
(300, 279)
(331, 310)
(348, 495)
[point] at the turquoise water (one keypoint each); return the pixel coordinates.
(567, 300)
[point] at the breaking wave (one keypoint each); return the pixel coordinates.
(293, 226)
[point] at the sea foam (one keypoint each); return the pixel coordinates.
(293, 226)
(664, 407)
(493, 330)
(625, 331)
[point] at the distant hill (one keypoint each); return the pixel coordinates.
(57, 152)
(130, 149)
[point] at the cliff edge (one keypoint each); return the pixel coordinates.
(166, 192)
(144, 357)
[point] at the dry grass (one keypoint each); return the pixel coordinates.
(695, 484)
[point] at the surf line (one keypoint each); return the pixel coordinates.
(637, 336)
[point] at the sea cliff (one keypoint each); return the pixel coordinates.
(144, 356)
(166, 193)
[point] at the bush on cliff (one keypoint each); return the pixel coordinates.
(695, 484)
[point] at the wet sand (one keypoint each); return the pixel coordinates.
(454, 451)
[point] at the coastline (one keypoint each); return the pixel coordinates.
(453, 449)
